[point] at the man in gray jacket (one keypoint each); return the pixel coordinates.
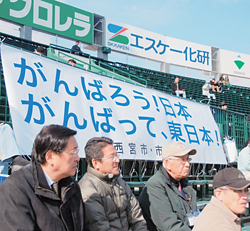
(168, 201)
(109, 202)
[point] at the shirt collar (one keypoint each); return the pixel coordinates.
(49, 181)
(183, 181)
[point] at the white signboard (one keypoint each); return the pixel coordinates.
(139, 120)
(135, 41)
(233, 63)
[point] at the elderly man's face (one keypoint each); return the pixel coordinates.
(178, 167)
(235, 200)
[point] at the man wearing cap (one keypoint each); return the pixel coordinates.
(168, 201)
(229, 200)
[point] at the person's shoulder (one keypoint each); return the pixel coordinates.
(156, 180)
(91, 187)
(211, 218)
(90, 181)
(16, 180)
(86, 179)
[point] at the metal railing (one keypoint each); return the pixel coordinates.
(231, 125)
(123, 73)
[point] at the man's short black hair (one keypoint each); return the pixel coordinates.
(52, 137)
(93, 148)
(40, 49)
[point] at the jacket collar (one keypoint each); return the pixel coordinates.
(224, 209)
(186, 186)
(170, 180)
(42, 188)
(38, 176)
(109, 177)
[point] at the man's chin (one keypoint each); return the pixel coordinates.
(116, 171)
(185, 174)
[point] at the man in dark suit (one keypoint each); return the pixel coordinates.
(43, 195)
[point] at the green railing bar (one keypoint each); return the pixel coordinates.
(124, 72)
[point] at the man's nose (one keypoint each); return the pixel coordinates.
(117, 159)
(77, 158)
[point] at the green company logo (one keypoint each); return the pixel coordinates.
(50, 16)
(117, 31)
(239, 63)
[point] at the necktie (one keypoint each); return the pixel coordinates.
(55, 187)
(180, 187)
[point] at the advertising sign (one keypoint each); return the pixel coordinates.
(139, 120)
(135, 41)
(50, 16)
(234, 63)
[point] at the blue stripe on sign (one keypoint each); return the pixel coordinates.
(114, 28)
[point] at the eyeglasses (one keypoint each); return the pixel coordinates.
(73, 153)
(245, 190)
(181, 160)
(240, 191)
(113, 158)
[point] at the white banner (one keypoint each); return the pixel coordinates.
(139, 120)
(135, 41)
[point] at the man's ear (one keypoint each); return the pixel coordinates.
(49, 157)
(95, 164)
(218, 194)
(167, 165)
